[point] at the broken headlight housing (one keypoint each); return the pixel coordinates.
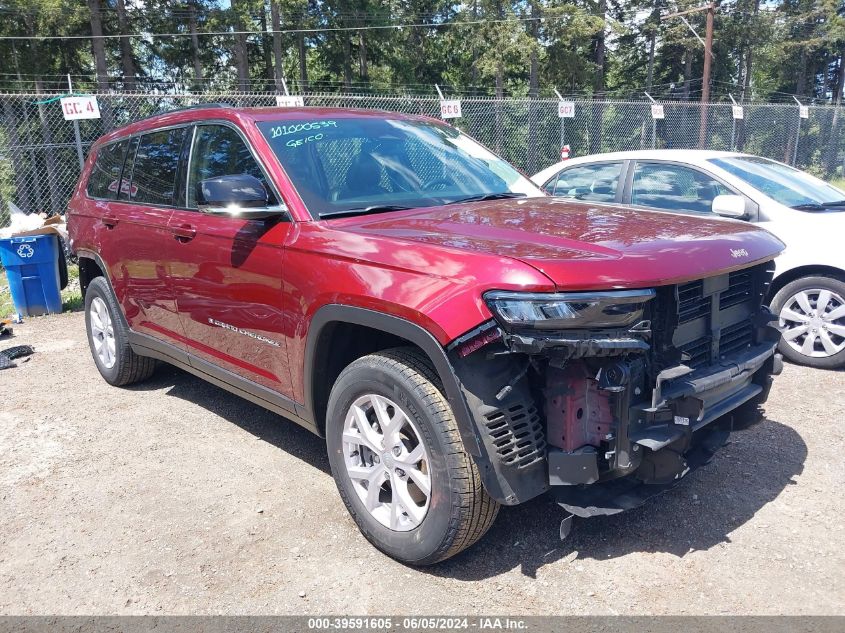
(568, 310)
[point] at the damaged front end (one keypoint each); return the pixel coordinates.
(608, 398)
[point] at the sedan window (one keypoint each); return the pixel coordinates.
(784, 184)
(674, 188)
(587, 182)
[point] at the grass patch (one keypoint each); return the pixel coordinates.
(7, 308)
(71, 296)
(838, 182)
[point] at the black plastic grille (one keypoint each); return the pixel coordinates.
(691, 302)
(683, 312)
(740, 289)
(517, 435)
(735, 338)
(697, 352)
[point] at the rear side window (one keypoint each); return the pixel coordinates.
(587, 182)
(156, 167)
(102, 183)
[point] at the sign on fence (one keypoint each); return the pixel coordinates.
(566, 109)
(289, 101)
(80, 107)
(738, 112)
(804, 112)
(450, 109)
(657, 111)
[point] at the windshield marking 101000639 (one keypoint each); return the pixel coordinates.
(366, 164)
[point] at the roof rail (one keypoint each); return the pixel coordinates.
(191, 107)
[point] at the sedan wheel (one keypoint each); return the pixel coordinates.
(811, 315)
(813, 322)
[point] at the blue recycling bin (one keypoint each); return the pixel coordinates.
(32, 268)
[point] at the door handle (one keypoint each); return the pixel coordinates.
(110, 221)
(184, 232)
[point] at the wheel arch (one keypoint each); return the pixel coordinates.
(794, 274)
(330, 346)
(90, 266)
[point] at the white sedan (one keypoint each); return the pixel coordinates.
(807, 214)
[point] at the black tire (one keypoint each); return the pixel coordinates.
(128, 367)
(790, 290)
(460, 511)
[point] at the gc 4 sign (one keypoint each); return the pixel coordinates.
(657, 111)
(737, 111)
(804, 112)
(74, 108)
(565, 109)
(450, 109)
(292, 101)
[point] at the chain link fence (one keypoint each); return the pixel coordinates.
(39, 161)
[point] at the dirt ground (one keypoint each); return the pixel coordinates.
(174, 497)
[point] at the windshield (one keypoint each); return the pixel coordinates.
(784, 184)
(369, 164)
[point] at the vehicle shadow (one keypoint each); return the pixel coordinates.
(252, 418)
(698, 514)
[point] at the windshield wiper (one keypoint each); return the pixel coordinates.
(376, 208)
(488, 196)
(819, 206)
(808, 206)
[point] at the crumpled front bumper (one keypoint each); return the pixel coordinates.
(686, 423)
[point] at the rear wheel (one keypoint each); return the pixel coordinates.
(399, 462)
(108, 338)
(811, 314)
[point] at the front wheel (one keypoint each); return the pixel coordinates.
(811, 315)
(399, 462)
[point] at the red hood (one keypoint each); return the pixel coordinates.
(581, 246)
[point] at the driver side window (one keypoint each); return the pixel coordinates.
(674, 188)
(220, 151)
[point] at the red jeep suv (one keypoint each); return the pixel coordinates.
(460, 339)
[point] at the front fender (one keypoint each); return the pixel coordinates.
(495, 480)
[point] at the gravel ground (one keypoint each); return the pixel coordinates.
(174, 497)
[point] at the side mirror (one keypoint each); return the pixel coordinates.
(238, 196)
(729, 206)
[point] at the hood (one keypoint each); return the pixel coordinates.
(582, 246)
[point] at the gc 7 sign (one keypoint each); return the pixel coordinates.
(80, 107)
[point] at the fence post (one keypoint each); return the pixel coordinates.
(797, 134)
(733, 125)
(562, 123)
(79, 154)
(653, 124)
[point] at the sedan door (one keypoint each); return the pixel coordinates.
(599, 182)
(673, 187)
(227, 272)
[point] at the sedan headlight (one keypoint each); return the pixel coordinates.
(568, 310)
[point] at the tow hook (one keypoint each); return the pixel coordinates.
(566, 526)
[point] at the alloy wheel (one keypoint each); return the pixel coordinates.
(387, 462)
(102, 332)
(813, 322)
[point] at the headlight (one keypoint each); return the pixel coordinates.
(568, 310)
